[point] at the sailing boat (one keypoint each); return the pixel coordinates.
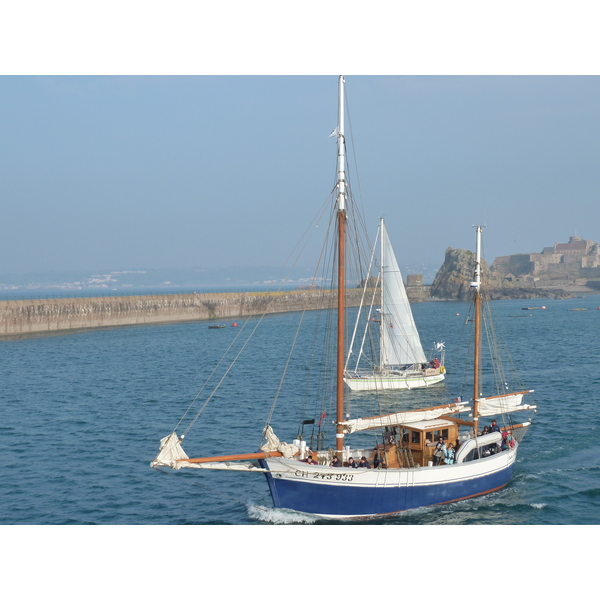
(402, 363)
(399, 472)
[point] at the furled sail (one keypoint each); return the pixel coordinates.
(400, 342)
(401, 418)
(274, 445)
(497, 405)
(170, 452)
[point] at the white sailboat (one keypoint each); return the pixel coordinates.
(316, 473)
(399, 362)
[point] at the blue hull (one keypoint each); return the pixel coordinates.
(339, 501)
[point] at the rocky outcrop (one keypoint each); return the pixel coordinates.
(453, 280)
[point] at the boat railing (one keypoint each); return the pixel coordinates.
(324, 457)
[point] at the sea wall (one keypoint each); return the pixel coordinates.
(31, 317)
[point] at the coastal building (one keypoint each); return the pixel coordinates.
(560, 260)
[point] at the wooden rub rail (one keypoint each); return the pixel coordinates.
(34, 317)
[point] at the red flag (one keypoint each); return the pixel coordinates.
(322, 417)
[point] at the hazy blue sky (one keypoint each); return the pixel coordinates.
(102, 172)
(100, 169)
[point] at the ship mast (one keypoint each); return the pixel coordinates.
(341, 220)
(383, 316)
(477, 342)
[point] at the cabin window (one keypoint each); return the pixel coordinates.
(439, 433)
(488, 450)
(472, 455)
(416, 437)
(481, 452)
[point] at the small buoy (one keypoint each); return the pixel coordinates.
(234, 325)
(543, 308)
(458, 314)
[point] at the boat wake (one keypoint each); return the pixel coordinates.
(278, 516)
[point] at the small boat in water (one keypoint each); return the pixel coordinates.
(370, 460)
(398, 360)
(216, 326)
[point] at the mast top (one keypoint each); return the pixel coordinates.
(477, 283)
(341, 183)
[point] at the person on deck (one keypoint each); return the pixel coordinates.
(352, 463)
(449, 454)
(336, 462)
(377, 460)
(494, 426)
(439, 452)
(508, 441)
(364, 463)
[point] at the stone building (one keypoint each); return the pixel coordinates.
(560, 260)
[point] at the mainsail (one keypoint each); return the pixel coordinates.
(400, 342)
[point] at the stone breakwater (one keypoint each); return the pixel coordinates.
(34, 317)
(30, 317)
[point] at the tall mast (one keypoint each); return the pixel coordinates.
(477, 343)
(383, 316)
(341, 219)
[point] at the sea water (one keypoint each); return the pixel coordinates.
(82, 415)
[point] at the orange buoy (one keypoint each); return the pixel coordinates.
(234, 325)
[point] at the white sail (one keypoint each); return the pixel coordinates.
(170, 452)
(401, 418)
(400, 342)
(497, 405)
(275, 445)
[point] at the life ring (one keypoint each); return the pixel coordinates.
(442, 369)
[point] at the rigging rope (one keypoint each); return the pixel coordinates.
(308, 233)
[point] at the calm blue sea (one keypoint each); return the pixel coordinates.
(82, 415)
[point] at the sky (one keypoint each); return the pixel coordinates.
(132, 164)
